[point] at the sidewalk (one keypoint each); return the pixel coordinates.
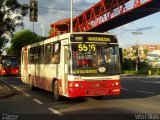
(5, 90)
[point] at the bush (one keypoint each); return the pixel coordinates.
(129, 67)
(143, 71)
(128, 64)
(155, 71)
(129, 72)
(143, 66)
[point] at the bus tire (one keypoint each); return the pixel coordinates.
(56, 94)
(98, 97)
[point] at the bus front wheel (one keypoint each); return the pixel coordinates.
(98, 97)
(56, 94)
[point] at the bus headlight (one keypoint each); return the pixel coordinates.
(74, 85)
(117, 83)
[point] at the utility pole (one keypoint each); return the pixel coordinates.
(137, 51)
(71, 21)
(42, 26)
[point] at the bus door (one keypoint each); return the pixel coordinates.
(24, 65)
(65, 65)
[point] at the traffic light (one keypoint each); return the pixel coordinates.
(33, 11)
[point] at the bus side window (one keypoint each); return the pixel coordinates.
(41, 58)
(31, 55)
(55, 58)
(36, 55)
(47, 53)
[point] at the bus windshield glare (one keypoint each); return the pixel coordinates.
(90, 58)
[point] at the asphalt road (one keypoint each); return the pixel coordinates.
(140, 99)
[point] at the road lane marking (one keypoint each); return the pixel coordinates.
(55, 111)
(158, 95)
(38, 101)
(125, 89)
(139, 91)
(145, 92)
(18, 89)
(156, 82)
(27, 95)
(15, 87)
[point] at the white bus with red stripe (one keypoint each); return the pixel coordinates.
(73, 65)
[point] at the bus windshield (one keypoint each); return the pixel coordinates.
(90, 58)
(7, 63)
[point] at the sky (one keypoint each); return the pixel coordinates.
(59, 9)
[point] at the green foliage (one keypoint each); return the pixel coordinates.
(155, 71)
(128, 64)
(128, 67)
(143, 71)
(21, 39)
(10, 3)
(129, 72)
(143, 65)
(7, 22)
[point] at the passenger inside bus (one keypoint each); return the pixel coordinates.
(6, 63)
(55, 58)
(101, 60)
(82, 60)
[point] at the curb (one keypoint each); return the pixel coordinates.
(9, 91)
(7, 95)
(133, 75)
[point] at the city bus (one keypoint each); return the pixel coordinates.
(73, 65)
(9, 65)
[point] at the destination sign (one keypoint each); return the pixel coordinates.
(84, 71)
(93, 38)
(86, 47)
(101, 38)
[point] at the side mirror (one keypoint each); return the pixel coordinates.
(121, 55)
(68, 54)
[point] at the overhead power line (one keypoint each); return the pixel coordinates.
(61, 9)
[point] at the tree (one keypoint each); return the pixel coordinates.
(11, 14)
(129, 59)
(21, 39)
